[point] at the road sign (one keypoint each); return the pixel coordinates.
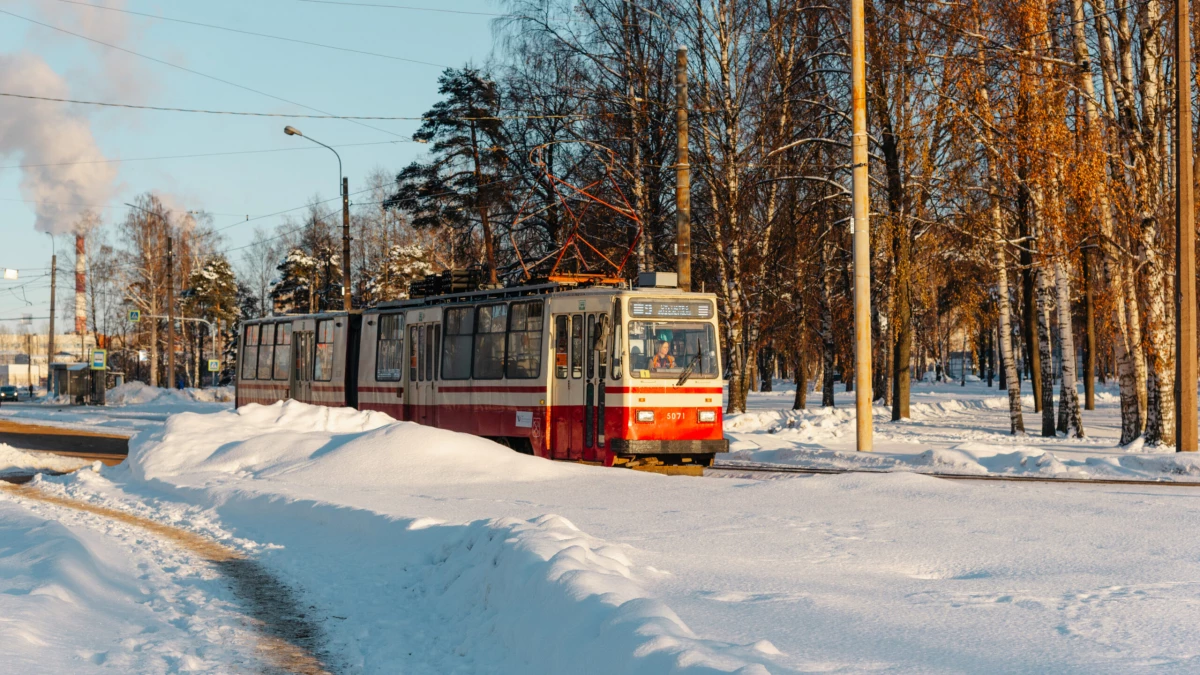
(99, 359)
(214, 365)
(135, 315)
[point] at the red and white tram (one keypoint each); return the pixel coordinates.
(597, 374)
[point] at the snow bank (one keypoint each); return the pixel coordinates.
(497, 595)
(12, 459)
(138, 393)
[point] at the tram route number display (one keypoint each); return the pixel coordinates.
(675, 309)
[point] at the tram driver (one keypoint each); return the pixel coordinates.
(662, 357)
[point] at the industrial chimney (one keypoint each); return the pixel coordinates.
(80, 286)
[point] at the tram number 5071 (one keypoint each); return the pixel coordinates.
(674, 416)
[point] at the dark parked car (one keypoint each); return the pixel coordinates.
(8, 393)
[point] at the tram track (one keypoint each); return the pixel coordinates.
(783, 469)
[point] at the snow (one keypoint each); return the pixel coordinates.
(13, 460)
(131, 407)
(954, 429)
(497, 581)
(138, 393)
(79, 594)
(425, 551)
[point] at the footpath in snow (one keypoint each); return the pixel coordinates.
(425, 551)
(954, 429)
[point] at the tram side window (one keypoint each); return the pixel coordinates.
(525, 341)
(560, 346)
(576, 346)
(250, 353)
(323, 371)
(424, 353)
(434, 361)
(414, 342)
(389, 349)
(491, 321)
(430, 350)
(283, 350)
(456, 345)
(266, 351)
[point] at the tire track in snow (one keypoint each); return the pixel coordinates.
(288, 641)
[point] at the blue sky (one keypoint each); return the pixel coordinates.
(231, 187)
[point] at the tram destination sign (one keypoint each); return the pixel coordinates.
(673, 309)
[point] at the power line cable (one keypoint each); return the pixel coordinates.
(380, 5)
(325, 116)
(206, 154)
(183, 68)
(253, 34)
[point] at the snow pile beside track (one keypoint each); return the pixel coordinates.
(500, 595)
(138, 393)
(13, 459)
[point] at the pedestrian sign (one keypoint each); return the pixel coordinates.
(214, 365)
(135, 315)
(99, 359)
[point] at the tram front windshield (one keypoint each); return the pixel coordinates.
(665, 349)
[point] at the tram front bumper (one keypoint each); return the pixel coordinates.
(623, 446)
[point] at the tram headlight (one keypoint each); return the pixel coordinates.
(645, 415)
(708, 415)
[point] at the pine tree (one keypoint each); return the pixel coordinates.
(461, 185)
(401, 265)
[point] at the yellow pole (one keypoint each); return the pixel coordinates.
(860, 227)
(1185, 242)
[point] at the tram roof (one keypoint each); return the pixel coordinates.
(522, 291)
(483, 296)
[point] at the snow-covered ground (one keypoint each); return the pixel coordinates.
(425, 551)
(954, 429)
(130, 408)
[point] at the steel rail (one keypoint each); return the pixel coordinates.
(773, 468)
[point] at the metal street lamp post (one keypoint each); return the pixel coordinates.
(345, 184)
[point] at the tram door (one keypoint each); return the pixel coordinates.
(424, 346)
(302, 365)
(576, 390)
(593, 390)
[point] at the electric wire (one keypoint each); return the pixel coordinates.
(326, 116)
(252, 33)
(183, 68)
(204, 154)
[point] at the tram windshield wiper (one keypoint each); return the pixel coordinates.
(687, 372)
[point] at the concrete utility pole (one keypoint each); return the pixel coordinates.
(1185, 243)
(345, 242)
(170, 314)
(860, 229)
(50, 337)
(683, 175)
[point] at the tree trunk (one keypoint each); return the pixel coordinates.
(1044, 348)
(1160, 403)
(1089, 340)
(1029, 313)
(1068, 397)
(801, 378)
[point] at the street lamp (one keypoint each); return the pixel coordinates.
(293, 131)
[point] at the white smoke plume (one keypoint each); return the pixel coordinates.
(54, 144)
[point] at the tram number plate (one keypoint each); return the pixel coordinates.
(525, 418)
(674, 416)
